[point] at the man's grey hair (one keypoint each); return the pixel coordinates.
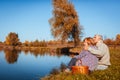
(100, 36)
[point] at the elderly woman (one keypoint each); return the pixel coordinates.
(85, 57)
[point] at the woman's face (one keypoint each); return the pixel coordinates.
(85, 43)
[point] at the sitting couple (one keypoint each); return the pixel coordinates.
(95, 54)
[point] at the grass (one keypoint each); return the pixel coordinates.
(112, 73)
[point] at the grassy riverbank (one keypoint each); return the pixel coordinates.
(112, 73)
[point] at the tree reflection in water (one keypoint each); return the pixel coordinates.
(36, 51)
(41, 51)
(11, 56)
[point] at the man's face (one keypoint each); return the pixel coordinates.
(96, 38)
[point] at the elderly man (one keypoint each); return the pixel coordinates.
(102, 53)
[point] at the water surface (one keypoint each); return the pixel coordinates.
(19, 65)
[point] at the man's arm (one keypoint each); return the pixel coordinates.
(98, 52)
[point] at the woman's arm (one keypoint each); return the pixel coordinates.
(81, 54)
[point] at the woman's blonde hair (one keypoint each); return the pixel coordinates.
(90, 41)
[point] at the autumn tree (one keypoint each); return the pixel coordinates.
(26, 43)
(12, 39)
(65, 23)
(117, 39)
(109, 41)
(36, 43)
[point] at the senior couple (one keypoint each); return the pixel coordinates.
(95, 54)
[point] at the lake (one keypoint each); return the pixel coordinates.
(20, 65)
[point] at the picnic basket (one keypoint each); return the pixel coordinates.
(80, 69)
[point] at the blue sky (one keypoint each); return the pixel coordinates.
(29, 18)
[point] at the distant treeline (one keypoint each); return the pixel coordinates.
(13, 40)
(115, 41)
